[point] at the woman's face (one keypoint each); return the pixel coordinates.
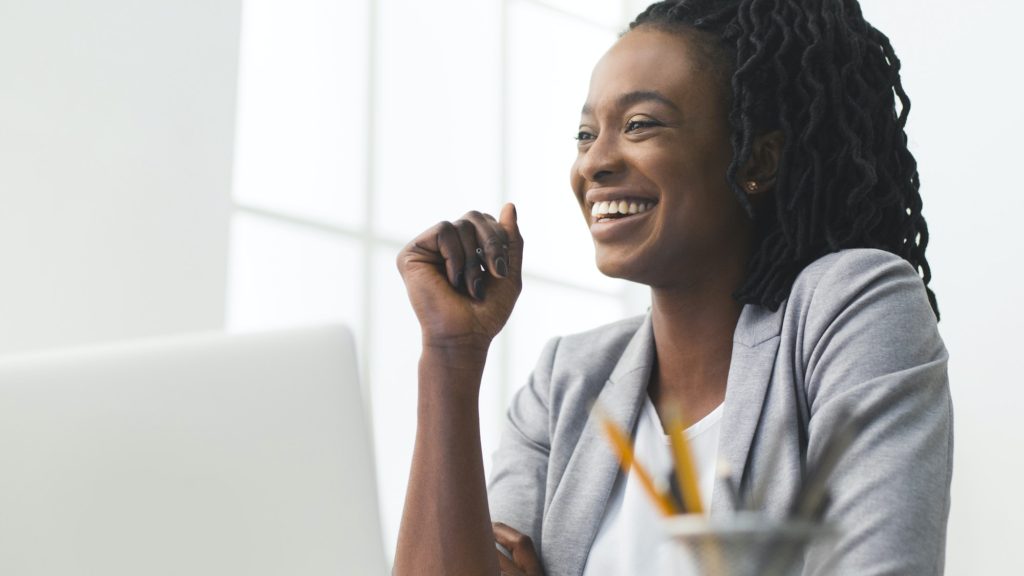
(654, 139)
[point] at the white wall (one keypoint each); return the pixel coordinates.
(116, 126)
(961, 68)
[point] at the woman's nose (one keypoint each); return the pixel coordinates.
(601, 160)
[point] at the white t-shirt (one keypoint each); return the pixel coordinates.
(630, 539)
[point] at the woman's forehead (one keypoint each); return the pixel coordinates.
(649, 61)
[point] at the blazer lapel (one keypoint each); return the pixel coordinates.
(755, 347)
(574, 515)
(578, 506)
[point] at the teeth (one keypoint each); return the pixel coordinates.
(624, 207)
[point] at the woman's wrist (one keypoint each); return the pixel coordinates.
(450, 372)
(461, 353)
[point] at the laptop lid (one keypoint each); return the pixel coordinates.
(213, 454)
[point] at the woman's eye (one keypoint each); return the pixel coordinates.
(634, 125)
(584, 136)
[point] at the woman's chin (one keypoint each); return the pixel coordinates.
(621, 268)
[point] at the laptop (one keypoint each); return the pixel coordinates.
(195, 455)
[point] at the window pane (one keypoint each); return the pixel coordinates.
(632, 8)
(394, 352)
(605, 12)
(551, 57)
(301, 133)
(546, 310)
(438, 112)
(284, 275)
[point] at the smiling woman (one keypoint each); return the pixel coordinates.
(655, 129)
(747, 161)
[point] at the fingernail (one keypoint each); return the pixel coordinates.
(501, 267)
(478, 288)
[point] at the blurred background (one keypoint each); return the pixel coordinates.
(190, 165)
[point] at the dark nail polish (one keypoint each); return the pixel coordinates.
(500, 267)
(458, 279)
(478, 288)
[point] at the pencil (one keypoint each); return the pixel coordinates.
(620, 443)
(686, 472)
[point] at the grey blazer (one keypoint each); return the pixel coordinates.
(856, 331)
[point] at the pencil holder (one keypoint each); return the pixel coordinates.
(746, 544)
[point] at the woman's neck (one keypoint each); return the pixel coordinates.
(693, 333)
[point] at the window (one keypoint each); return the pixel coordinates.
(362, 123)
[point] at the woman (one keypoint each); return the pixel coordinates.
(747, 161)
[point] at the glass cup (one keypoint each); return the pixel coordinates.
(746, 543)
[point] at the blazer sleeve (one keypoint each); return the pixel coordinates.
(872, 344)
(516, 490)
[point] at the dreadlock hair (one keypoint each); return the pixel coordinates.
(819, 73)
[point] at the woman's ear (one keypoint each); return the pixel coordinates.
(759, 173)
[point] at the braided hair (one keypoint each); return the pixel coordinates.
(816, 71)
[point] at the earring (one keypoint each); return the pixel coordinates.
(751, 186)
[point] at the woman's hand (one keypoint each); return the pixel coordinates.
(524, 560)
(463, 279)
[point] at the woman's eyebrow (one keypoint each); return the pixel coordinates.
(637, 96)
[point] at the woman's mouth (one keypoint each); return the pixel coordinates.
(609, 210)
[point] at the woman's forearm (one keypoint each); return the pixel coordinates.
(446, 526)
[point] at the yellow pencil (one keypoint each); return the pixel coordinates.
(686, 472)
(621, 445)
